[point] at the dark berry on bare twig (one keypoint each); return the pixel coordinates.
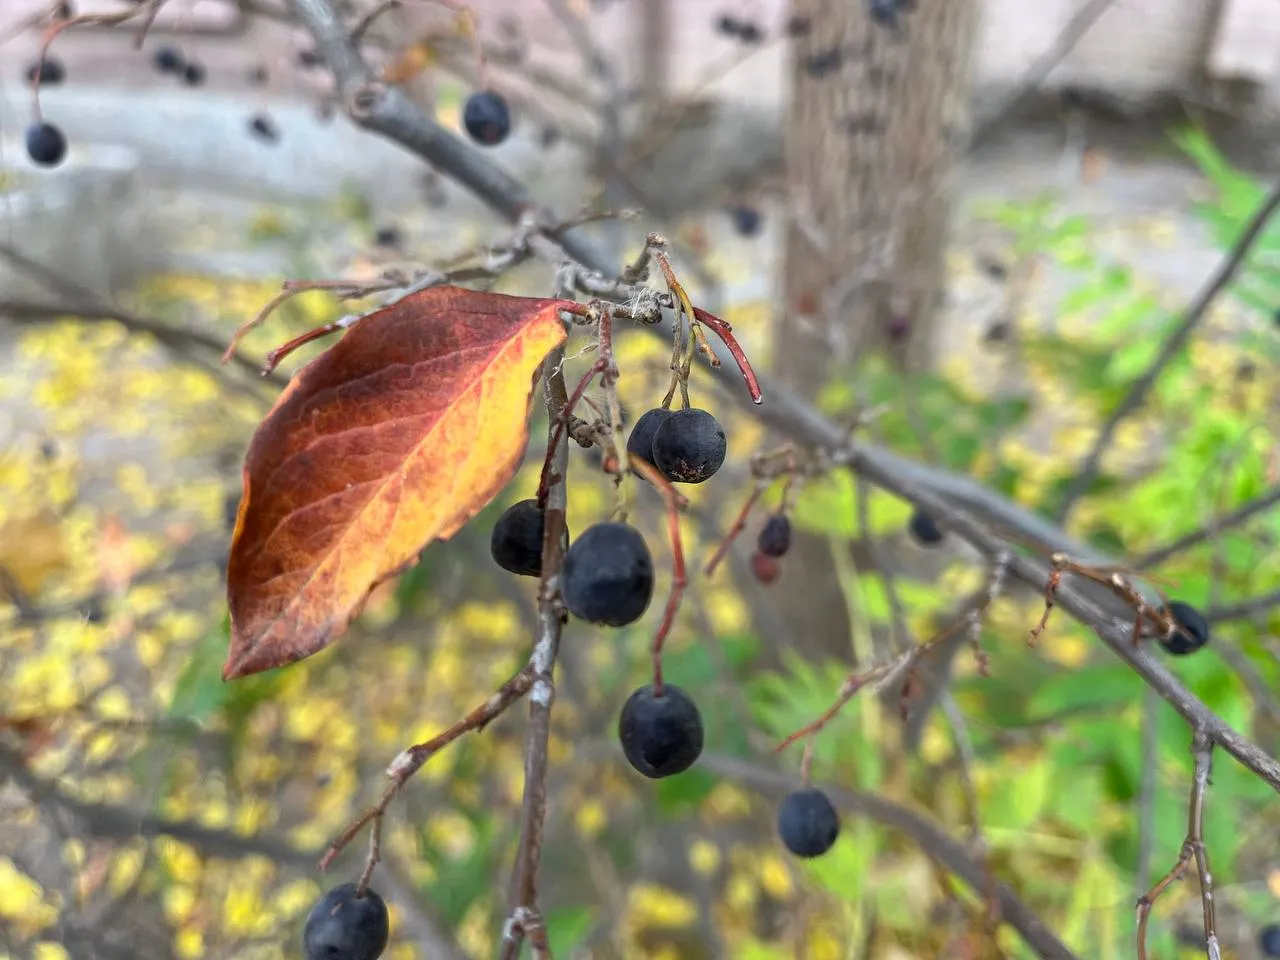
(516, 542)
(1194, 632)
(728, 25)
(388, 236)
(46, 144)
(750, 33)
(766, 568)
(640, 442)
(193, 74)
(47, 73)
(689, 446)
(487, 117)
(660, 735)
(608, 575)
(169, 60)
(808, 823)
(775, 536)
(925, 529)
(343, 926)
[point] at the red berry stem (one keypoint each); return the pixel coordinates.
(735, 531)
(679, 579)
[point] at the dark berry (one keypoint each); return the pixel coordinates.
(661, 735)
(309, 59)
(387, 237)
(925, 529)
(746, 220)
(1194, 633)
(516, 542)
(640, 442)
(729, 26)
(775, 536)
(48, 73)
(1269, 940)
(885, 12)
(169, 60)
(689, 446)
(807, 822)
(264, 128)
(998, 332)
(193, 75)
(46, 144)
(766, 568)
(608, 575)
(65, 11)
(344, 927)
(487, 117)
(750, 33)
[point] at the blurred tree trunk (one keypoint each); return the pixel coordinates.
(878, 117)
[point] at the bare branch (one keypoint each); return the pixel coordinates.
(1211, 529)
(1137, 394)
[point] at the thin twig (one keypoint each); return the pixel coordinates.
(1196, 312)
(1211, 529)
(1193, 848)
(1243, 609)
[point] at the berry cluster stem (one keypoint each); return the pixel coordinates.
(679, 577)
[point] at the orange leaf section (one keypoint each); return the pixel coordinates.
(395, 437)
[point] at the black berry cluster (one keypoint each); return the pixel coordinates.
(808, 823)
(487, 118)
(343, 926)
(686, 446)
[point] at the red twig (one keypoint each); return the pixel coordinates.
(735, 531)
(679, 579)
(725, 333)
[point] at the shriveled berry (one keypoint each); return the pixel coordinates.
(807, 822)
(344, 927)
(169, 60)
(925, 529)
(746, 220)
(775, 536)
(660, 735)
(487, 117)
(1269, 940)
(516, 542)
(608, 575)
(1194, 633)
(640, 442)
(193, 74)
(689, 446)
(46, 144)
(766, 568)
(47, 73)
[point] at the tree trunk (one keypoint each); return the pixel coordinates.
(878, 118)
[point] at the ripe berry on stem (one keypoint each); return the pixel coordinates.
(775, 536)
(640, 442)
(169, 60)
(343, 926)
(516, 543)
(807, 822)
(608, 575)
(46, 144)
(746, 220)
(689, 446)
(1194, 633)
(487, 117)
(660, 735)
(766, 568)
(193, 74)
(925, 529)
